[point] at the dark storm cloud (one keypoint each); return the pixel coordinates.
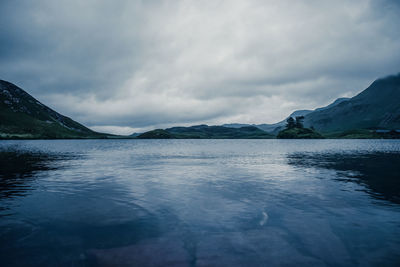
(119, 65)
(66, 48)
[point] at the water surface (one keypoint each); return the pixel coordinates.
(200, 202)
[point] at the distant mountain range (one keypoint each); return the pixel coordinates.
(375, 108)
(270, 128)
(22, 116)
(275, 128)
(207, 132)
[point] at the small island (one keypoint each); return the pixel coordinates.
(295, 130)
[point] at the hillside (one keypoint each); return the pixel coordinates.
(207, 132)
(22, 116)
(276, 127)
(377, 107)
(270, 128)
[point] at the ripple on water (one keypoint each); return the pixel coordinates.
(200, 202)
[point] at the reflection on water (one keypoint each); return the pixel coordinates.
(199, 203)
(378, 171)
(19, 169)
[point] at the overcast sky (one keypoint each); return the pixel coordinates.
(126, 66)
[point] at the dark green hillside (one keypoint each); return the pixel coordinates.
(22, 116)
(155, 134)
(377, 107)
(207, 132)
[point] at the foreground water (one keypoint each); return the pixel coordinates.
(199, 202)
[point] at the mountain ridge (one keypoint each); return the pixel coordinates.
(206, 132)
(23, 116)
(376, 107)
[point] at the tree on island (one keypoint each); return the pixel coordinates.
(295, 130)
(299, 121)
(292, 123)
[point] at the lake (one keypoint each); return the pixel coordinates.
(200, 203)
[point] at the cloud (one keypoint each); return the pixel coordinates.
(146, 64)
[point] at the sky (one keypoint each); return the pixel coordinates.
(130, 66)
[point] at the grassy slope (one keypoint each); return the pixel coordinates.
(20, 125)
(22, 116)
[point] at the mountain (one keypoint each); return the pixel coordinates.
(270, 128)
(334, 103)
(134, 135)
(237, 125)
(22, 116)
(207, 132)
(377, 107)
(276, 127)
(156, 134)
